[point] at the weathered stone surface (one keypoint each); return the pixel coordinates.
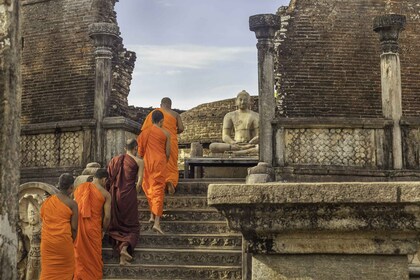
(197, 243)
(10, 95)
(320, 267)
(203, 123)
(31, 196)
(360, 223)
(180, 256)
(328, 58)
(56, 44)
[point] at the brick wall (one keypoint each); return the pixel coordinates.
(329, 58)
(204, 123)
(58, 63)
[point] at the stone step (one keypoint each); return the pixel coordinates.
(171, 272)
(209, 214)
(199, 186)
(198, 241)
(170, 227)
(178, 257)
(177, 201)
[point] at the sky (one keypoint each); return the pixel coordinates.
(193, 51)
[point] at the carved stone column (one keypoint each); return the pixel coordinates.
(324, 230)
(104, 36)
(10, 95)
(389, 27)
(265, 27)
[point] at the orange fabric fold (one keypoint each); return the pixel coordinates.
(152, 146)
(170, 124)
(57, 250)
(88, 245)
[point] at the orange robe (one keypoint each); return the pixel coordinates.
(170, 124)
(88, 245)
(152, 147)
(57, 250)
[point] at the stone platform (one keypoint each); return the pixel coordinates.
(345, 230)
(233, 167)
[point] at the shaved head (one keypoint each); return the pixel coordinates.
(166, 102)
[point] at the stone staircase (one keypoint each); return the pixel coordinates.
(197, 245)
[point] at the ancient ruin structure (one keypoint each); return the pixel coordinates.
(337, 117)
(76, 75)
(330, 125)
(331, 120)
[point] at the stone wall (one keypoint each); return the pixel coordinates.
(58, 77)
(58, 62)
(329, 63)
(204, 123)
(10, 93)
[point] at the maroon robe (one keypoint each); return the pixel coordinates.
(124, 228)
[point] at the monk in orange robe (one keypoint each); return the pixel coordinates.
(59, 216)
(94, 202)
(154, 148)
(173, 124)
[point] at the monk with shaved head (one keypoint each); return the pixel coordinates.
(173, 124)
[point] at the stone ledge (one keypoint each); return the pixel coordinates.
(63, 126)
(312, 193)
(333, 218)
(121, 123)
(336, 122)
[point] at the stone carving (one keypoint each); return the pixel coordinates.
(346, 147)
(227, 273)
(244, 123)
(31, 196)
(196, 257)
(265, 25)
(188, 216)
(389, 28)
(225, 242)
(52, 149)
(261, 173)
(188, 227)
(179, 202)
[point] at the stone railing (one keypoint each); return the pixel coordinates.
(358, 149)
(49, 149)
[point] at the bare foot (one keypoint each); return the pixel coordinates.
(123, 261)
(152, 218)
(125, 253)
(158, 229)
(170, 187)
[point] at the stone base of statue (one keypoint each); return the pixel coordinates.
(218, 167)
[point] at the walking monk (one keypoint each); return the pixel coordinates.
(173, 124)
(59, 230)
(124, 183)
(94, 202)
(155, 148)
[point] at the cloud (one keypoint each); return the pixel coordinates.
(186, 56)
(165, 3)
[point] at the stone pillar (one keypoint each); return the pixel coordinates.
(104, 36)
(324, 230)
(265, 27)
(10, 95)
(389, 27)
